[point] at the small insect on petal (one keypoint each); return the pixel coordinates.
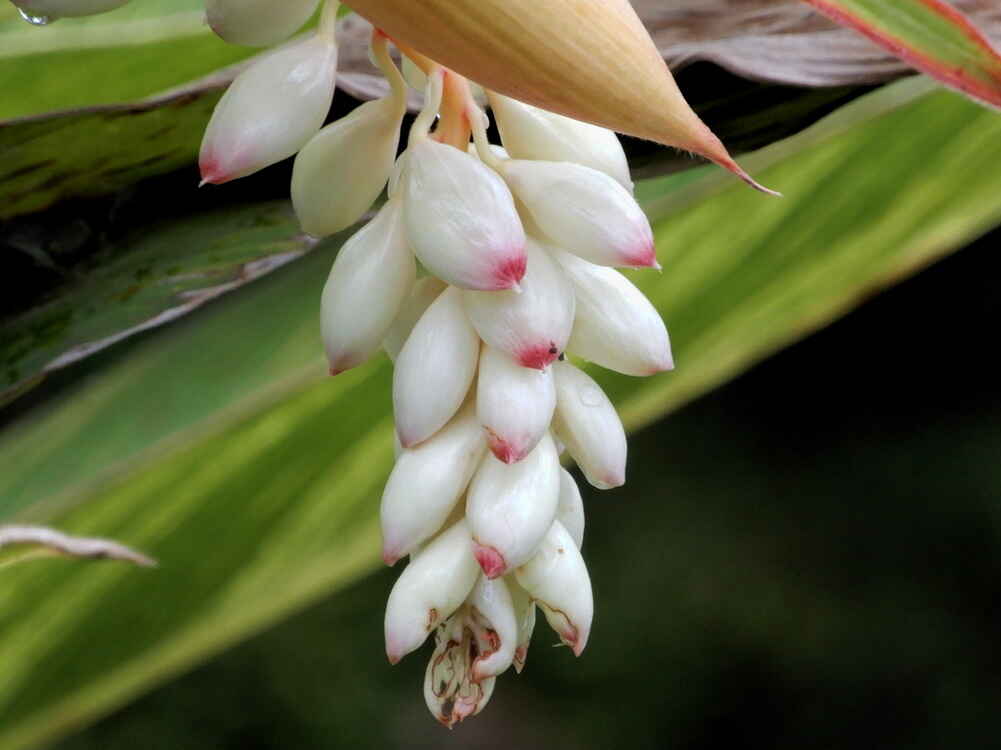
(434, 585)
(510, 507)
(514, 404)
(531, 326)
(461, 218)
(422, 294)
(588, 425)
(434, 370)
(532, 133)
(367, 286)
(615, 325)
(556, 578)
(426, 483)
(271, 110)
(257, 23)
(583, 211)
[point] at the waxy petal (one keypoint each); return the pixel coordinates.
(532, 326)
(532, 133)
(615, 325)
(271, 110)
(461, 218)
(583, 211)
(587, 423)
(434, 585)
(510, 507)
(524, 611)
(556, 578)
(340, 173)
(434, 370)
(493, 609)
(514, 404)
(258, 23)
(426, 483)
(424, 292)
(371, 278)
(570, 511)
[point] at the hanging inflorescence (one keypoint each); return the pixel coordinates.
(487, 271)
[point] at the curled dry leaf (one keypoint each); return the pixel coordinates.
(18, 543)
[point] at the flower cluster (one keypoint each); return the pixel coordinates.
(485, 272)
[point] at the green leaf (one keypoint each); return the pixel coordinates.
(164, 272)
(129, 53)
(931, 35)
(270, 500)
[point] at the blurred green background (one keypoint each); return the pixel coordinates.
(807, 557)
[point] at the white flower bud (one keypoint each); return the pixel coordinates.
(434, 585)
(570, 511)
(271, 110)
(556, 578)
(532, 133)
(434, 370)
(426, 483)
(370, 279)
(584, 211)
(424, 292)
(461, 218)
(587, 423)
(450, 690)
(339, 174)
(615, 325)
(524, 612)
(493, 610)
(514, 404)
(532, 326)
(50, 10)
(257, 23)
(510, 507)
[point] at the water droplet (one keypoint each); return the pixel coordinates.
(35, 20)
(591, 395)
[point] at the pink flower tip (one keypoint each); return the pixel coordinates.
(490, 560)
(643, 257)
(539, 356)
(212, 171)
(390, 557)
(504, 450)
(509, 272)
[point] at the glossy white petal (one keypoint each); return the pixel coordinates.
(426, 483)
(570, 511)
(434, 585)
(514, 404)
(371, 278)
(524, 612)
(532, 326)
(271, 110)
(615, 325)
(424, 292)
(532, 133)
(584, 211)
(587, 423)
(257, 23)
(461, 218)
(556, 578)
(434, 370)
(340, 173)
(54, 9)
(510, 507)
(493, 610)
